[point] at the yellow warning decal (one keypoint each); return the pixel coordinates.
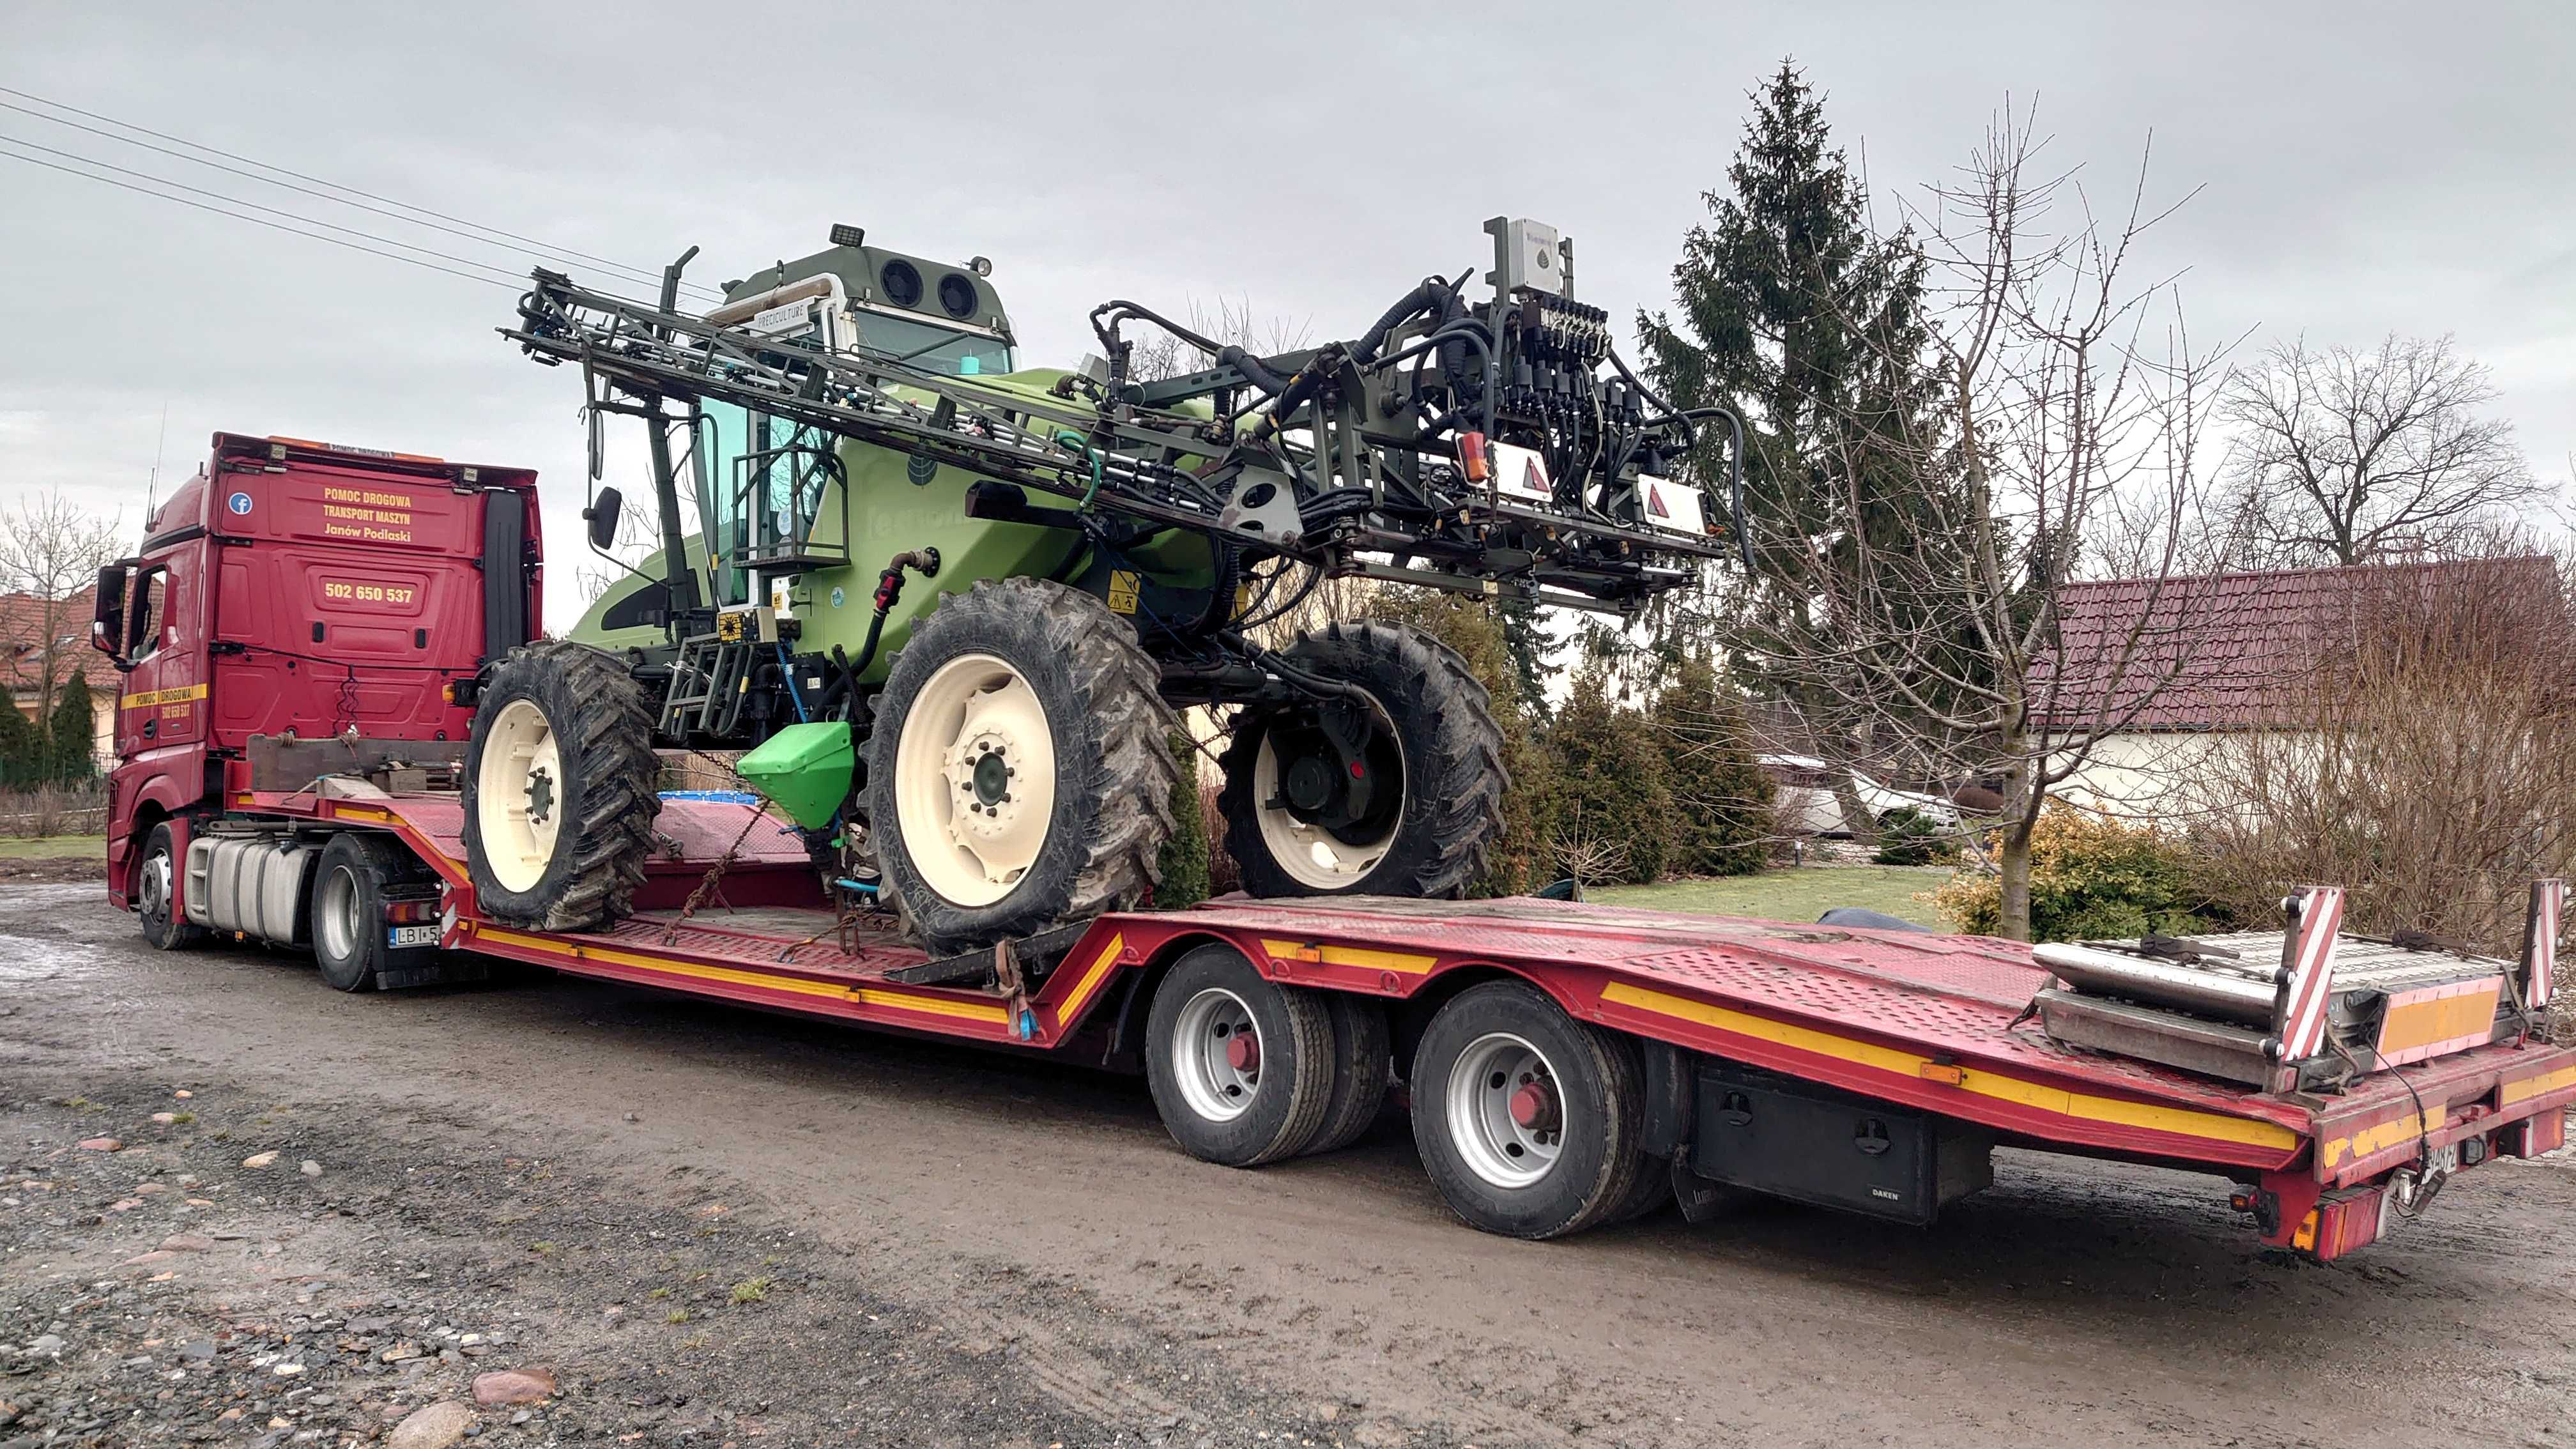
(150, 697)
(1123, 584)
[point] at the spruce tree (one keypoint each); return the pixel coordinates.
(1613, 816)
(22, 749)
(1184, 857)
(1791, 313)
(1721, 796)
(71, 733)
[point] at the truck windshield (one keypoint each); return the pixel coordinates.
(934, 349)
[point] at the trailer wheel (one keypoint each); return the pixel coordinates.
(348, 926)
(1363, 1068)
(560, 794)
(1020, 775)
(1528, 1120)
(1397, 793)
(1240, 1067)
(156, 893)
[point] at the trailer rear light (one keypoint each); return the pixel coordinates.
(1472, 458)
(411, 912)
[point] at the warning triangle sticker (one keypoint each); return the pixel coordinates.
(1532, 480)
(1655, 502)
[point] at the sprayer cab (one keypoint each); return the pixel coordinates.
(941, 317)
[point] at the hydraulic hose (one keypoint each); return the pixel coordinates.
(1734, 452)
(923, 561)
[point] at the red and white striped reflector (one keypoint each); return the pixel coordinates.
(2540, 941)
(2311, 965)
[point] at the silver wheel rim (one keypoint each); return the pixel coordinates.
(1497, 1073)
(518, 795)
(974, 779)
(154, 886)
(1219, 1076)
(335, 914)
(1311, 855)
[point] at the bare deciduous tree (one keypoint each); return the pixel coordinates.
(50, 550)
(2427, 761)
(2072, 397)
(2345, 456)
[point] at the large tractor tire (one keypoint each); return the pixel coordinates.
(1018, 772)
(560, 794)
(1398, 792)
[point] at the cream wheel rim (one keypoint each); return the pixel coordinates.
(974, 780)
(1312, 855)
(518, 795)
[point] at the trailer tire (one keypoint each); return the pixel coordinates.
(1018, 669)
(1431, 721)
(565, 729)
(1528, 1121)
(347, 912)
(1363, 1069)
(155, 892)
(1221, 1102)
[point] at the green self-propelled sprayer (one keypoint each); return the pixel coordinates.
(948, 605)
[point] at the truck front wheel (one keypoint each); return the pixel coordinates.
(560, 793)
(156, 893)
(1528, 1120)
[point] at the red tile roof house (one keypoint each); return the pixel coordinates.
(23, 627)
(2162, 674)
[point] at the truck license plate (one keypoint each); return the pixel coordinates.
(422, 935)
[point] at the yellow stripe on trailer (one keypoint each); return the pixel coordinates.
(2081, 1106)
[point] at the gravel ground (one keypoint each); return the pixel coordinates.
(690, 1225)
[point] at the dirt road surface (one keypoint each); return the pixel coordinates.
(712, 1227)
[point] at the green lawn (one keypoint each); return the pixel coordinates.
(18, 847)
(1801, 894)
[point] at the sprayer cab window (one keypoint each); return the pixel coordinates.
(934, 348)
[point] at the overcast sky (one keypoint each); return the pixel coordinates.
(2367, 169)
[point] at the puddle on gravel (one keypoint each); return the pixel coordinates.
(35, 946)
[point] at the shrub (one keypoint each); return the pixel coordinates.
(1185, 855)
(1613, 808)
(1907, 836)
(1722, 823)
(1515, 864)
(2092, 877)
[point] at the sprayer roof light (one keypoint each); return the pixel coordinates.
(846, 235)
(980, 266)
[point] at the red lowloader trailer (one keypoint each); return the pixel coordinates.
(303, 627)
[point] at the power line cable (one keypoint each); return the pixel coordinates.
(512, 285)
(505, 272)
(477, 231)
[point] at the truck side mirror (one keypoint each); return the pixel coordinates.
(107, 612)
(602, 518)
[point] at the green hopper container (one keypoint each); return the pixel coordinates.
(804, 769)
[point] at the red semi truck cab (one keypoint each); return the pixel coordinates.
(301, 608)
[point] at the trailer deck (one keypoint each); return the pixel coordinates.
(1936, 1023)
